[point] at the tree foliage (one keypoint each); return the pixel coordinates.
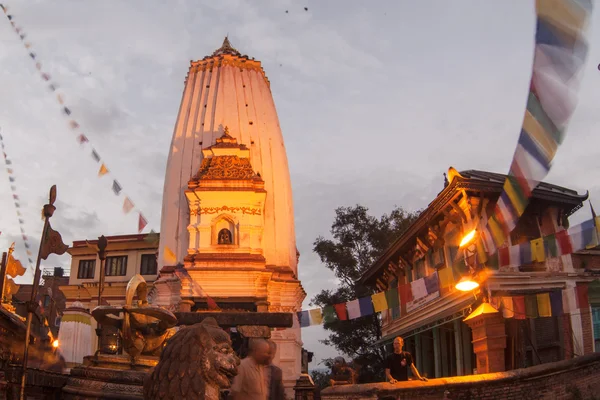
(358, 240)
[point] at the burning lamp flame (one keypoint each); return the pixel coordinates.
(466, 284)
(467, 238)
(55, 344)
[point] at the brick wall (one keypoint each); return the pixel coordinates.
(588, 332)
(571, 379)
(567, 336)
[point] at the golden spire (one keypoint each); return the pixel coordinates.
(226, 48)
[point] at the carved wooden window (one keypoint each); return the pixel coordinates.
(116, 266)
(148, 266)
(419, 269)
(86, 269)
(225, 237)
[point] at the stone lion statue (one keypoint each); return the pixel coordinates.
(197, 362)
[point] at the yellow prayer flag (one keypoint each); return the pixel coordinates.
(544, 307)
(169, 256)
(446, 277)
(379, 302)
(481, 253)
(103, 170)
(537, 250)
(316, 317)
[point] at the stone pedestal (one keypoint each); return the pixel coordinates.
(489, 338)
(108, 377)
(305, 388)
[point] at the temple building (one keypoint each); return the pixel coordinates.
(126, 256)
(227, 230)
(527, 311)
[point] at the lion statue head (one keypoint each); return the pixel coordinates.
(196, 363)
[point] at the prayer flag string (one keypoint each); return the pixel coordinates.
(16, 200)
(583, 236)
(560, 52)
(75, 127)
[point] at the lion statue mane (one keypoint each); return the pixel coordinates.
(197, 362)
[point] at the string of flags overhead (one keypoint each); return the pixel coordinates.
(16, 200)
(82, 139)
(560, 52)
(405, 297)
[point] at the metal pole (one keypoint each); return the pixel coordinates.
(31, 306)
(3, 266)
(102, 243)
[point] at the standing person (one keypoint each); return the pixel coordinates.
(274, 376)
(250, 382)
(398, 363)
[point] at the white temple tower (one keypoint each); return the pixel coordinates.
(227, 212)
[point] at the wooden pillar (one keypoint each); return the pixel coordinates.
(489, 338)
(459, 347)
(436, 352)
(418, 359)
(467, 350)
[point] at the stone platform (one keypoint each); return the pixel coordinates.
(578, 378)
(108, 377)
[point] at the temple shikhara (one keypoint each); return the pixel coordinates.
(228, 215)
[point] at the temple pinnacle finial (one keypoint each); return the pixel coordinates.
(226, 48)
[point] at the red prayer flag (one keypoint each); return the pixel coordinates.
(582, 296)
(503, 257)
(141, 223)
(405, 293)
(340, 310)
(212, 305)
(519, 307)
(564, 242)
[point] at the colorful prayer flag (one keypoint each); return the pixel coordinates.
(103, 171)
(67, 110)
(564, 242)
(366, 306)
(303, 318)
(127, 205)
(73, 124)
(432, 284)
(340, 311)
(503, 256)
(328, 314)
(531, 306)
(353, 309)
(582, 235)
(379, 302)
(519, 307)
(446, 277)
(544, 305)
(82, 139)
(391, 296)
(406, 296)
(537, 250)
(141, 223)
(95, 155)
(116, 187)
(418, 288)
(507, 307)
(556, 303)
(315, 316)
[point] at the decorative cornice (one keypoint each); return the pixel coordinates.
(226, 167)
(234, 210)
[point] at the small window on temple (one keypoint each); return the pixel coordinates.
(225, 236)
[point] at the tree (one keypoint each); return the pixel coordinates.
(358, 240)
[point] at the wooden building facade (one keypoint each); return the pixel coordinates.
(434, 326)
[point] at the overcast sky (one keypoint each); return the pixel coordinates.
(376, 100)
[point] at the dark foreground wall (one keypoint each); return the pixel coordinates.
(577, 379)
